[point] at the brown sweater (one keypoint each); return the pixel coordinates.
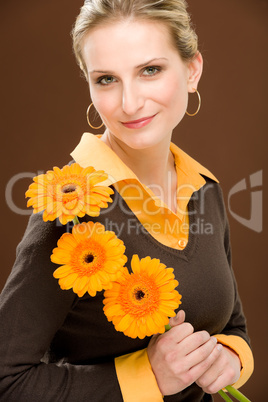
(55, 346)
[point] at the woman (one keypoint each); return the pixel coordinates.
(140, 59)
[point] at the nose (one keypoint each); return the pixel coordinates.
(132, 99)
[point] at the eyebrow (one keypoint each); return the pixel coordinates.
(139, 66)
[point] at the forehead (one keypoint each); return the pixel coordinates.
(127, 43)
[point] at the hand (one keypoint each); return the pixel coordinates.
(181, 356)
(224, 371)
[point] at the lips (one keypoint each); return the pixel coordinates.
(138, 123)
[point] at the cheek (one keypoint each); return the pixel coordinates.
(103, 102)
(172, 92)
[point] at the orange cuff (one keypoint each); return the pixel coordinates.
(136, 378)
(241, 348)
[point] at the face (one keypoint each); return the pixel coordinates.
(138, 82)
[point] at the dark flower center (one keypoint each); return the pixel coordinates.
(139, 294)
(68, 188)
(89, 258)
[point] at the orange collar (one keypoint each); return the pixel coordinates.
(93, 152)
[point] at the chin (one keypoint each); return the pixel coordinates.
(143, 144)
(143, 138)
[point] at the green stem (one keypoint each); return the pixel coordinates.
(237, 394)
(224, 396)
(76, 221)
(167, 327)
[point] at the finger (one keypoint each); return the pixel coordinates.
(215, 386)
(178, 319)
(170, 339)
(176, 334)
(194, 343)
(220, 374)
(210, 376)
(205, 362)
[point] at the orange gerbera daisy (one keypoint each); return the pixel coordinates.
(92, 259)
(140, 303)
(69, 192)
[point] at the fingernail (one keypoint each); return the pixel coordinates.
(219, 347)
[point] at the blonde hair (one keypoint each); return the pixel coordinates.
(173, 13)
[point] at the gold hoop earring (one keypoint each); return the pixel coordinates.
(199, 104)
(95, 128)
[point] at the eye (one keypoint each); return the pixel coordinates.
(151, 70)
(106, 80)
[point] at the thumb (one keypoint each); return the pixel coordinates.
(178, 319)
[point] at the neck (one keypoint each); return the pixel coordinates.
(150, 165)
(153, 166)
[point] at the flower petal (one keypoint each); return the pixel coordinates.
(140, 304)
(63, 193)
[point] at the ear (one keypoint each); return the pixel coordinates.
(195, 68)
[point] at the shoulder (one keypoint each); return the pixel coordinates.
(40, 237)
(211, 199)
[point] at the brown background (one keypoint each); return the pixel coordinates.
(43, 104)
